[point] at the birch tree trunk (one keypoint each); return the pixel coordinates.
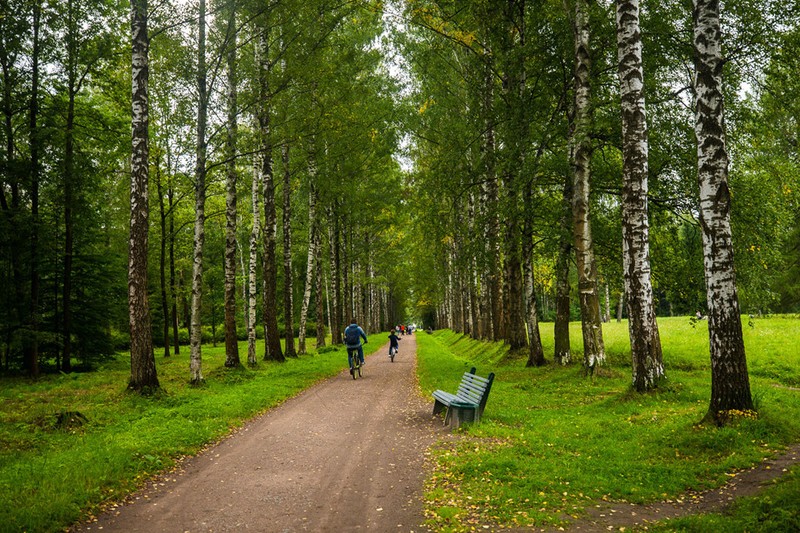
(730, 383)
(143, 364)
(312, 255)
(535, 349)
(288, 304)
(231, 337)
(335, 313)
(252, 266)
(647, 365)
(272, 342)
(320, 313)
(580, 161)
(195, 354)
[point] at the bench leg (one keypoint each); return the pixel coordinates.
(459, 415)
(438, 407)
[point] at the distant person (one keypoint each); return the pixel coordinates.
(393, 343)
(352, 340)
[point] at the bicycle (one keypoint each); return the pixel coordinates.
(392, 353)
(356, 370)
(356, 367)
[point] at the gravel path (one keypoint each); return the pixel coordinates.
(342, 456)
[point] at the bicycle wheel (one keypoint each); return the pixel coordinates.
(392, 353)
(358, 369)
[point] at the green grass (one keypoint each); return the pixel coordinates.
(553, 442)
(52, 476)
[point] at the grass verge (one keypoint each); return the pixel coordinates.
(57, 468)
(553, 443)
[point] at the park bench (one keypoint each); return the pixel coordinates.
(468, 403)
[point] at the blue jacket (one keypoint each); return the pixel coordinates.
(361, 335)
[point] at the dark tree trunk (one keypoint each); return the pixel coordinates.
(288, 304)
(172, 281)
(69, 184)
(272, 343)
(32, 349)
(563, 352)
(163, 257)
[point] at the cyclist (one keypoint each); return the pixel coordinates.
(393, 342)
(352, 340)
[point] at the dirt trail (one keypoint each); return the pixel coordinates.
(342, 456)
(616, 516)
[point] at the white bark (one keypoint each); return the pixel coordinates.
(288, 300)
(253, 264)
(143, 368)
(580, 161)
(231, 336)
(195, 359)
(647, 364)
(730, 384)
(312, 254)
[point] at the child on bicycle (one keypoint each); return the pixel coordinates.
(393, 342)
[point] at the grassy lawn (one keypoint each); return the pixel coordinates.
(553, 443)
(51, 475)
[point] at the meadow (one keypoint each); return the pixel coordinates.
(553, 443)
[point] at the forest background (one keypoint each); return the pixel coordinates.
(309, 161)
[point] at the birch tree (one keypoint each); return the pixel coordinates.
(196, 336)
(580, 152)
(253, 264)
(730, 383)
(143, 365)
(231, 336)
(647, 365)
(312, 254)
